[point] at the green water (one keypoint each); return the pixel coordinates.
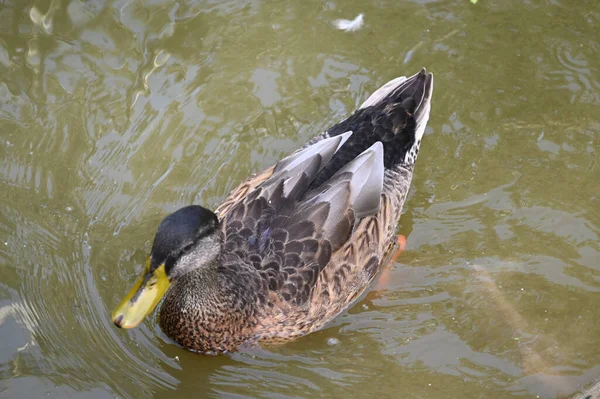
(114, 114)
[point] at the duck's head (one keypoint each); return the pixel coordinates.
(186, 240)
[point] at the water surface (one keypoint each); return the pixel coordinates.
(113, 114)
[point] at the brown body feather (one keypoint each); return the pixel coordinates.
(346, 275)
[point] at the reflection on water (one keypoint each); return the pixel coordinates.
(115, 113)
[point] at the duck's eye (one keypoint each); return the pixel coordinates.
(187, 248)
(152, 283)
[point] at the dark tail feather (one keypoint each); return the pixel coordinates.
(396, 114)
(415, 90)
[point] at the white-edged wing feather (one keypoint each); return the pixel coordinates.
(363, 177)
(325, 148)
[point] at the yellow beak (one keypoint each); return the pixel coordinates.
(143, 297)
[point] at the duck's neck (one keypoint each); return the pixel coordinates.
(210, 310)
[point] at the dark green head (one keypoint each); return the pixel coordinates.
(179, 234)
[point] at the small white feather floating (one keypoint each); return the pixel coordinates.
(349, 25)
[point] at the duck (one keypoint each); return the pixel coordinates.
(293, 246)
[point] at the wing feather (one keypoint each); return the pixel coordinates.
(290, 235)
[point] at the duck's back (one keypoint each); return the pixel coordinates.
(318, 225)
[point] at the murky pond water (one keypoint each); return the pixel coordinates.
(113, 114)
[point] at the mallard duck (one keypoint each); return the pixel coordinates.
(293, 246)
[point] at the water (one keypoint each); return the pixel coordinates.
(113, 114)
